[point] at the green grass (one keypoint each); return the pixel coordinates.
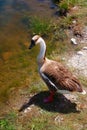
(36, 25)
(8, 123)
(65, 5)
(41, 27)
(39, 119)
(37, 86)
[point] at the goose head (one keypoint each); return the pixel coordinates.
(39, 40)
(35, 40)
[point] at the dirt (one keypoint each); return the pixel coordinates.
(79, 58)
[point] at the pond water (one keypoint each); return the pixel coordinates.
(14, 40)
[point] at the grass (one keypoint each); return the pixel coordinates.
(41, 27)
(8, 123)
(64, 6)
(71, 2)
(40, 119)
(37, 86)
(36, 25)
(83, 81)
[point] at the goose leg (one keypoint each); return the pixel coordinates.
(50, 98)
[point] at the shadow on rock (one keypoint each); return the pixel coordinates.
(60, 104)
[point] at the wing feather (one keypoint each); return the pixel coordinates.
(60, 76)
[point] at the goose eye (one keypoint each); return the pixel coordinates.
(32, 44)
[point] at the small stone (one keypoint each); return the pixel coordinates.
(85, 48)
(27, 110)
(73, 40)
(80, 53)
(71, 97)
(74, 22)
(63, 58)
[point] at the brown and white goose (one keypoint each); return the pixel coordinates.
(55, 75)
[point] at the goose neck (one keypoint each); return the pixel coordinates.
(42, 52)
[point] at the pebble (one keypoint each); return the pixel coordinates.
(63, 58)
(71, 97)
(74, 22)
(85, 48)
(27, 110)
(80, 53)
(73, 40)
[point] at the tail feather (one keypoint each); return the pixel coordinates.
(83, 92)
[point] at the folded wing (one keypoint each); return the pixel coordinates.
(57, 76)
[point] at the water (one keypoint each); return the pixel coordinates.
(14, 39)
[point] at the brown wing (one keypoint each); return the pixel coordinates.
(60, 76)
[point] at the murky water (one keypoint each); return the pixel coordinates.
(14, 68)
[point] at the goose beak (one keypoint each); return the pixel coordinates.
(32, 44)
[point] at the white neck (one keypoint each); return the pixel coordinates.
(41, 55)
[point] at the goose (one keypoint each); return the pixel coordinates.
(55, 75)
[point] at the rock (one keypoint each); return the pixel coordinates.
(85, 48)
(63, 58)
(27, 110)
(71, 97)
(74, 22)
(73, 40)
(80, 53)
